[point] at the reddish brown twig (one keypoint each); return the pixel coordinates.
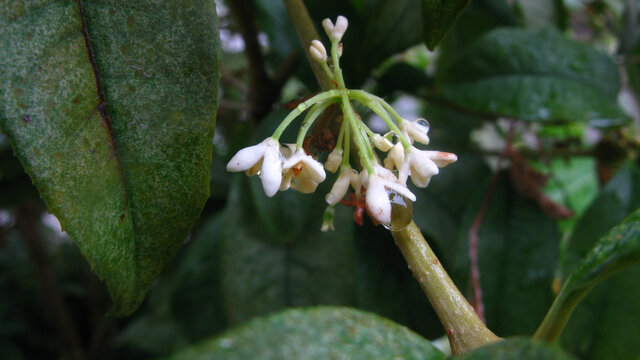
(474, 239)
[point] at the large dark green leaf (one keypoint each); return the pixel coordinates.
(262, 273)
(511, 349)
(534, 75)
(111, 108)
(316, 333)
(600, 326)
(437, 17)
(517, 252)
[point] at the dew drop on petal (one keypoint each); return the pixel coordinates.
(424, 123)
(401, 211)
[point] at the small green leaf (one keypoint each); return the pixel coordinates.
(520, 349)
(437, 18)
(316, 333)
(111, 109)
(534, 75)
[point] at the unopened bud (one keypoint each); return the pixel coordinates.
(381, 143)
(317, 51)
(334, 160)
(335, 32)
(341, 26)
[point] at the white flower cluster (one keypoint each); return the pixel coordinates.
(374, 186)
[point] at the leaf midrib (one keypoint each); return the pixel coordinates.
(102, 109)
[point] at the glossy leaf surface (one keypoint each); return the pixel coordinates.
(534, 75)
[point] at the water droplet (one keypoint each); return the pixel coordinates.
(424, 123)
(401, 211)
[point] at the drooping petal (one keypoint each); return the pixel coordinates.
(271, 171)
(247, 157)
(442, 159)
(340, 187)
(378, 204)
(316, 170)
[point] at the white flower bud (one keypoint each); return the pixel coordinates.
(381, 143)
(335, 32)
(395, 158)
(327, 219)
(327, 24)
(333, 160)
(416, 130)
(340, 187)
(317, 51)
(341, 26)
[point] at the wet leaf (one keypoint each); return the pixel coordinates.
(111, 108)
(316, 333)
(534, 75)
(517, 253)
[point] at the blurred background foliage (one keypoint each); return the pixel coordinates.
(537, 97)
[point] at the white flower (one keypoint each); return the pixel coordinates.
(341, 186)
(334, 160)
(263, 159)
(301, 171)
(381, 143)
(416, 130)
(395, 158)
(377, 198)
(317, 51)
(421, 165)
(335, 32)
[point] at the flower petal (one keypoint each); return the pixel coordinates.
(378, 204)
(340, 187)
(271, 173)
(247, 157)
(442, 159)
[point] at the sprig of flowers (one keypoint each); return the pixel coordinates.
(378, 184)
